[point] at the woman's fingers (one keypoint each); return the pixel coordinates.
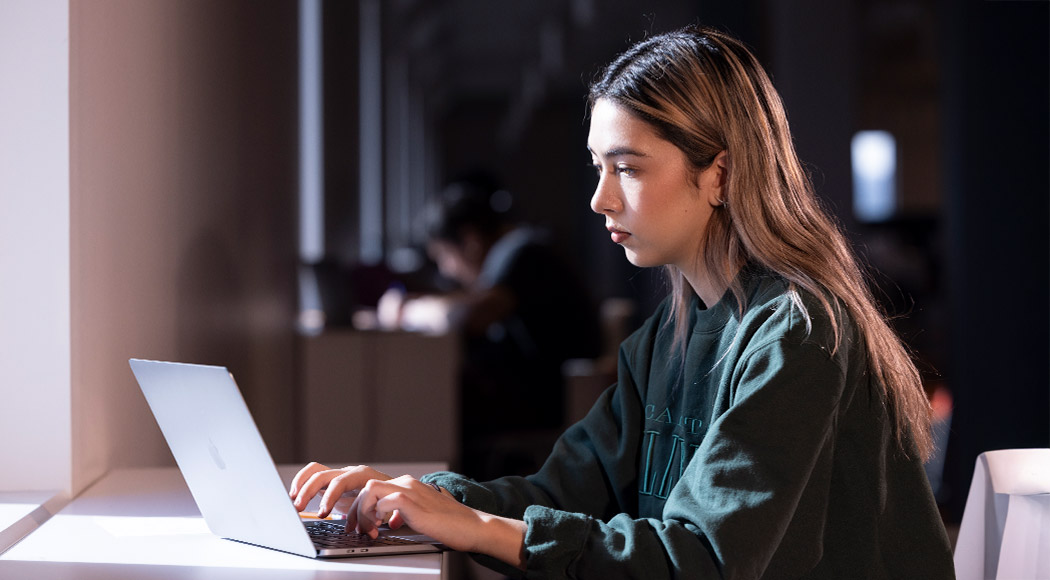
(376, 497)
(362, 516)
(341, 482)
(304, 474)
(392, 501)
(396, 520)
(316, 478)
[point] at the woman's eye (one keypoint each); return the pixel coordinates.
(617, 169)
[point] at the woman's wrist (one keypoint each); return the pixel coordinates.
(503, 539)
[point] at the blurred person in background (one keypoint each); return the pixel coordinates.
(521, 312)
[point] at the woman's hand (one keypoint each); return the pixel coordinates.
(435, 513)
(406, 500)
(316, 478)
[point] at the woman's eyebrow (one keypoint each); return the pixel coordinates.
(621, 152)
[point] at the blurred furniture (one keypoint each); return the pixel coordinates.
(1005, 530)
(379, 396)
(143, 523)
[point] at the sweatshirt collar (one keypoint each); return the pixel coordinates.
(716, 317)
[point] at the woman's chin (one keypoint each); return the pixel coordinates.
(639, 260)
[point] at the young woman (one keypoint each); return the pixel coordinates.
(766, 422)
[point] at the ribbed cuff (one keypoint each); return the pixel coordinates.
(464, 489)
(554, 541)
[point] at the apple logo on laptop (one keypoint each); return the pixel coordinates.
(216, 456)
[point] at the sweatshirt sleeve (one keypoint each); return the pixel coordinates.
(765, 460)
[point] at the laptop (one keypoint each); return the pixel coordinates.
(231, 474)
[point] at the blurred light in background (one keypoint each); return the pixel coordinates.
(874, 159)
(311, 167)
(312, 317)
(371, 127)
(311, 134)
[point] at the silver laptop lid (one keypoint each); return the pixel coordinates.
(221, 454)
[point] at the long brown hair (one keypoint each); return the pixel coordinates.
(705, 92)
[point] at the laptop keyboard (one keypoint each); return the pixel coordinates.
(332, 534)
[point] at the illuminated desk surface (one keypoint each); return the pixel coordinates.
(143, 523)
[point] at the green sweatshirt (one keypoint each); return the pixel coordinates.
(767, 454)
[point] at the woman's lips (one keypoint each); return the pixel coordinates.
(618, 235)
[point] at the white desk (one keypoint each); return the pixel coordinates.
(143, 523)
(21, 512)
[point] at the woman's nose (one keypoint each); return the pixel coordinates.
(604, 199)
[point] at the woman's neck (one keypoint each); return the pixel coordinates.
(708, 287)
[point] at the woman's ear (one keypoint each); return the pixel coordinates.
(722, 162)
(713, 180)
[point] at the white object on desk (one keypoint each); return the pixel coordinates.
(144, 523)
(1005, 530)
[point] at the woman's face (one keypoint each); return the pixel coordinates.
(656, 205)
